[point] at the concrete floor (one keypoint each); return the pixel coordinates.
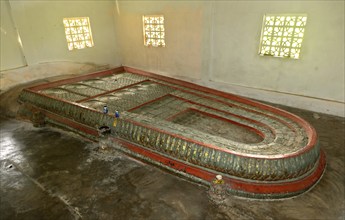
(47, 173)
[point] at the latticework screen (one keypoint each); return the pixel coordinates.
(78, 33)
(282, 35)
(154, 34)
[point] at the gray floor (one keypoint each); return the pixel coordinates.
(47, 173)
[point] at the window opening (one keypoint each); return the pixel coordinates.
(282, 35)
(78, 33)
(153, 26)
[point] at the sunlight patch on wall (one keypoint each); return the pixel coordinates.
(154, 33)
(282, 35)
(78, 33)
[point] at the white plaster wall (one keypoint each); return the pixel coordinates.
(212, 43)
(42, 32)
(215, 44)
(318, 73)
(185, 41)
(10, 52)
(44, 44)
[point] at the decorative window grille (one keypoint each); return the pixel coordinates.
(153, 26)
(282, 35)
(78, 33)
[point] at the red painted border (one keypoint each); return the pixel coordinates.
(312, 136)
(111, 91)
(146, 103)
(185, 138)
(225, 103)
(261, 134)
(236, 184)
(273, 188)
(69, 123)
(309, 129)
(76, 79)
(226, 150)
(74, 92)
(208, 107)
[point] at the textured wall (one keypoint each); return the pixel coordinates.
(215, 43)
(40, 26)
(318, 73)
(10, 52)
(212, 43)
(185, 42)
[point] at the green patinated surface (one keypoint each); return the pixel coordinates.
(173, 120)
